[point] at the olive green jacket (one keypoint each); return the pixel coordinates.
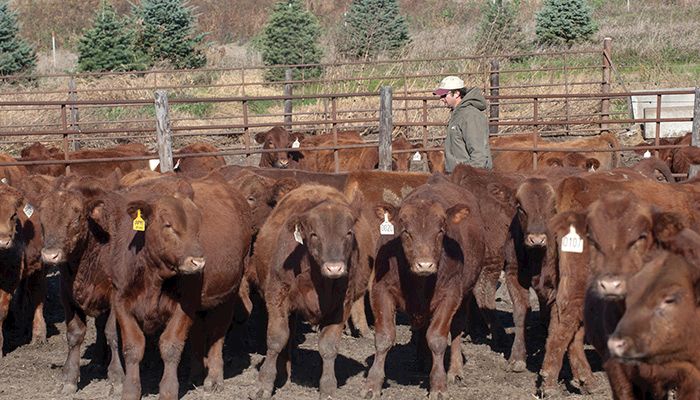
(467, 140)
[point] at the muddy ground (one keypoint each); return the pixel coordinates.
(31, 371)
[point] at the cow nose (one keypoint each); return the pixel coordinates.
(192, 265)
(536, 239)
(424, 267)
(51, 256)
(612, 286)
(282, 163)
(334, 269)
(617, 346)
(5, 242)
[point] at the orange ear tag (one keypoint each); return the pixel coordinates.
(139, 223)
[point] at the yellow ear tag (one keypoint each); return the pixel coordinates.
(139, 223)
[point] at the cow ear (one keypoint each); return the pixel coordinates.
(666, 225)
(387, 209)
(499, 192)
(184, 190)
(457, 213)
(592, 163)
(296, 222)
(555, 162)
(95, 210)
(356, 204)
(282, 187)
(561, 222)
(260, 137)
(296, 136)
(146, 209)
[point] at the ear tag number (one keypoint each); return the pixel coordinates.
(572, 242)
(28, 210)
(416, 156)
(297, 235)
(139, 223)
(386, 228)
(295, 143)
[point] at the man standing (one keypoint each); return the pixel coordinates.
(467, 140)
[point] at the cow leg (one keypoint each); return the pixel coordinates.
(619, 381)
(101, 354)
(4, 309)
(384, 309)
(198, 344)
(36, 287)
(328, 348)
(485, 296)
(521, 303)
(579, 364)
(457, 327)
(172, 341)
(75, 334)
(277, 338)
(562, 329)
(359, 319)
(436, 337)
(217, 323)
(133, 345)
(115, 371)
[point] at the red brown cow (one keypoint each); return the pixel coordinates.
(197, 167)
(575, 160)
(312, 257)
(11, 174)
(278, 138)
(427, 272)
(20, 245)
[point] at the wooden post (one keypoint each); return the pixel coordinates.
(695, 140)
(246, 130)
(494, 90)
(334, 130)
(64, 124)
(164, 134)
(535, 134)
(658, 125)
(605, 87)
(425, 123)
(288, 100)
(74, 115)
(385, 128)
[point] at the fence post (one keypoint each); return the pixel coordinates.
(74, 115)
(494, 90)
(695, 140)
(287, 100)
(334, 130)
(385, 128)
(535, 133)
(164, 134)
(605, 87)
(64, 125)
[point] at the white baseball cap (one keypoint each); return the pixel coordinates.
(448, 84)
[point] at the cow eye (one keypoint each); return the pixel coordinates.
(349, 233)
(168, 225)
(13, 216)
(672, 299)
(521, 210)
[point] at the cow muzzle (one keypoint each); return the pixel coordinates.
(334, 269)
(536, 239)
(612, 286)
(191, 265)
(620, 347)
(282, 164)
(424, 267)
(52, 255)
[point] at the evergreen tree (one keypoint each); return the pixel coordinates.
(167, 33)
(16, 56)
(499, 31)
(290, 36)
(110, 45)
(564, 22)
(372, 27)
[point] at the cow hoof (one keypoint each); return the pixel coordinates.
(212, 386)
(517, 366)
(437, 395)
(454, 377)
(549, 392)
(587, 387)
(370, 394)
(68, 389)
(261, 394)
(39, 338)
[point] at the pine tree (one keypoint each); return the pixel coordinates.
(167, 33)
(16, 56)
(564, 22)
(499, 31)
(290, 36)
(372, 27)
(110, 45)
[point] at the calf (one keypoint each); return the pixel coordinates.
(197, 167)
(312, 257)
(278, 138)
(427, 272)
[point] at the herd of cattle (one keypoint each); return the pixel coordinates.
(612, 253)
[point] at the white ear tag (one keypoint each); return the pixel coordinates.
(153, 164)
(416, 156)
(177, 164)
(4, 181)
(295, 143)
(647, 154)
(591, 169)
(28, 210)
(572, 242)
(386, 228)
(297, 235)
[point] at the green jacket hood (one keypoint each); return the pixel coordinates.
(473, 98)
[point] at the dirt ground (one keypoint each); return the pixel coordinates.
(32, 371)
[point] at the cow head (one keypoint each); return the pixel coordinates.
(436, 160)
(423, 225)
(11, 203)
(402, 161)
(328, 232)
(535, 199)
(620, 235)
(262, 193)
(64, 223)
(277, 138)
(171, 236)
(661, 311)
